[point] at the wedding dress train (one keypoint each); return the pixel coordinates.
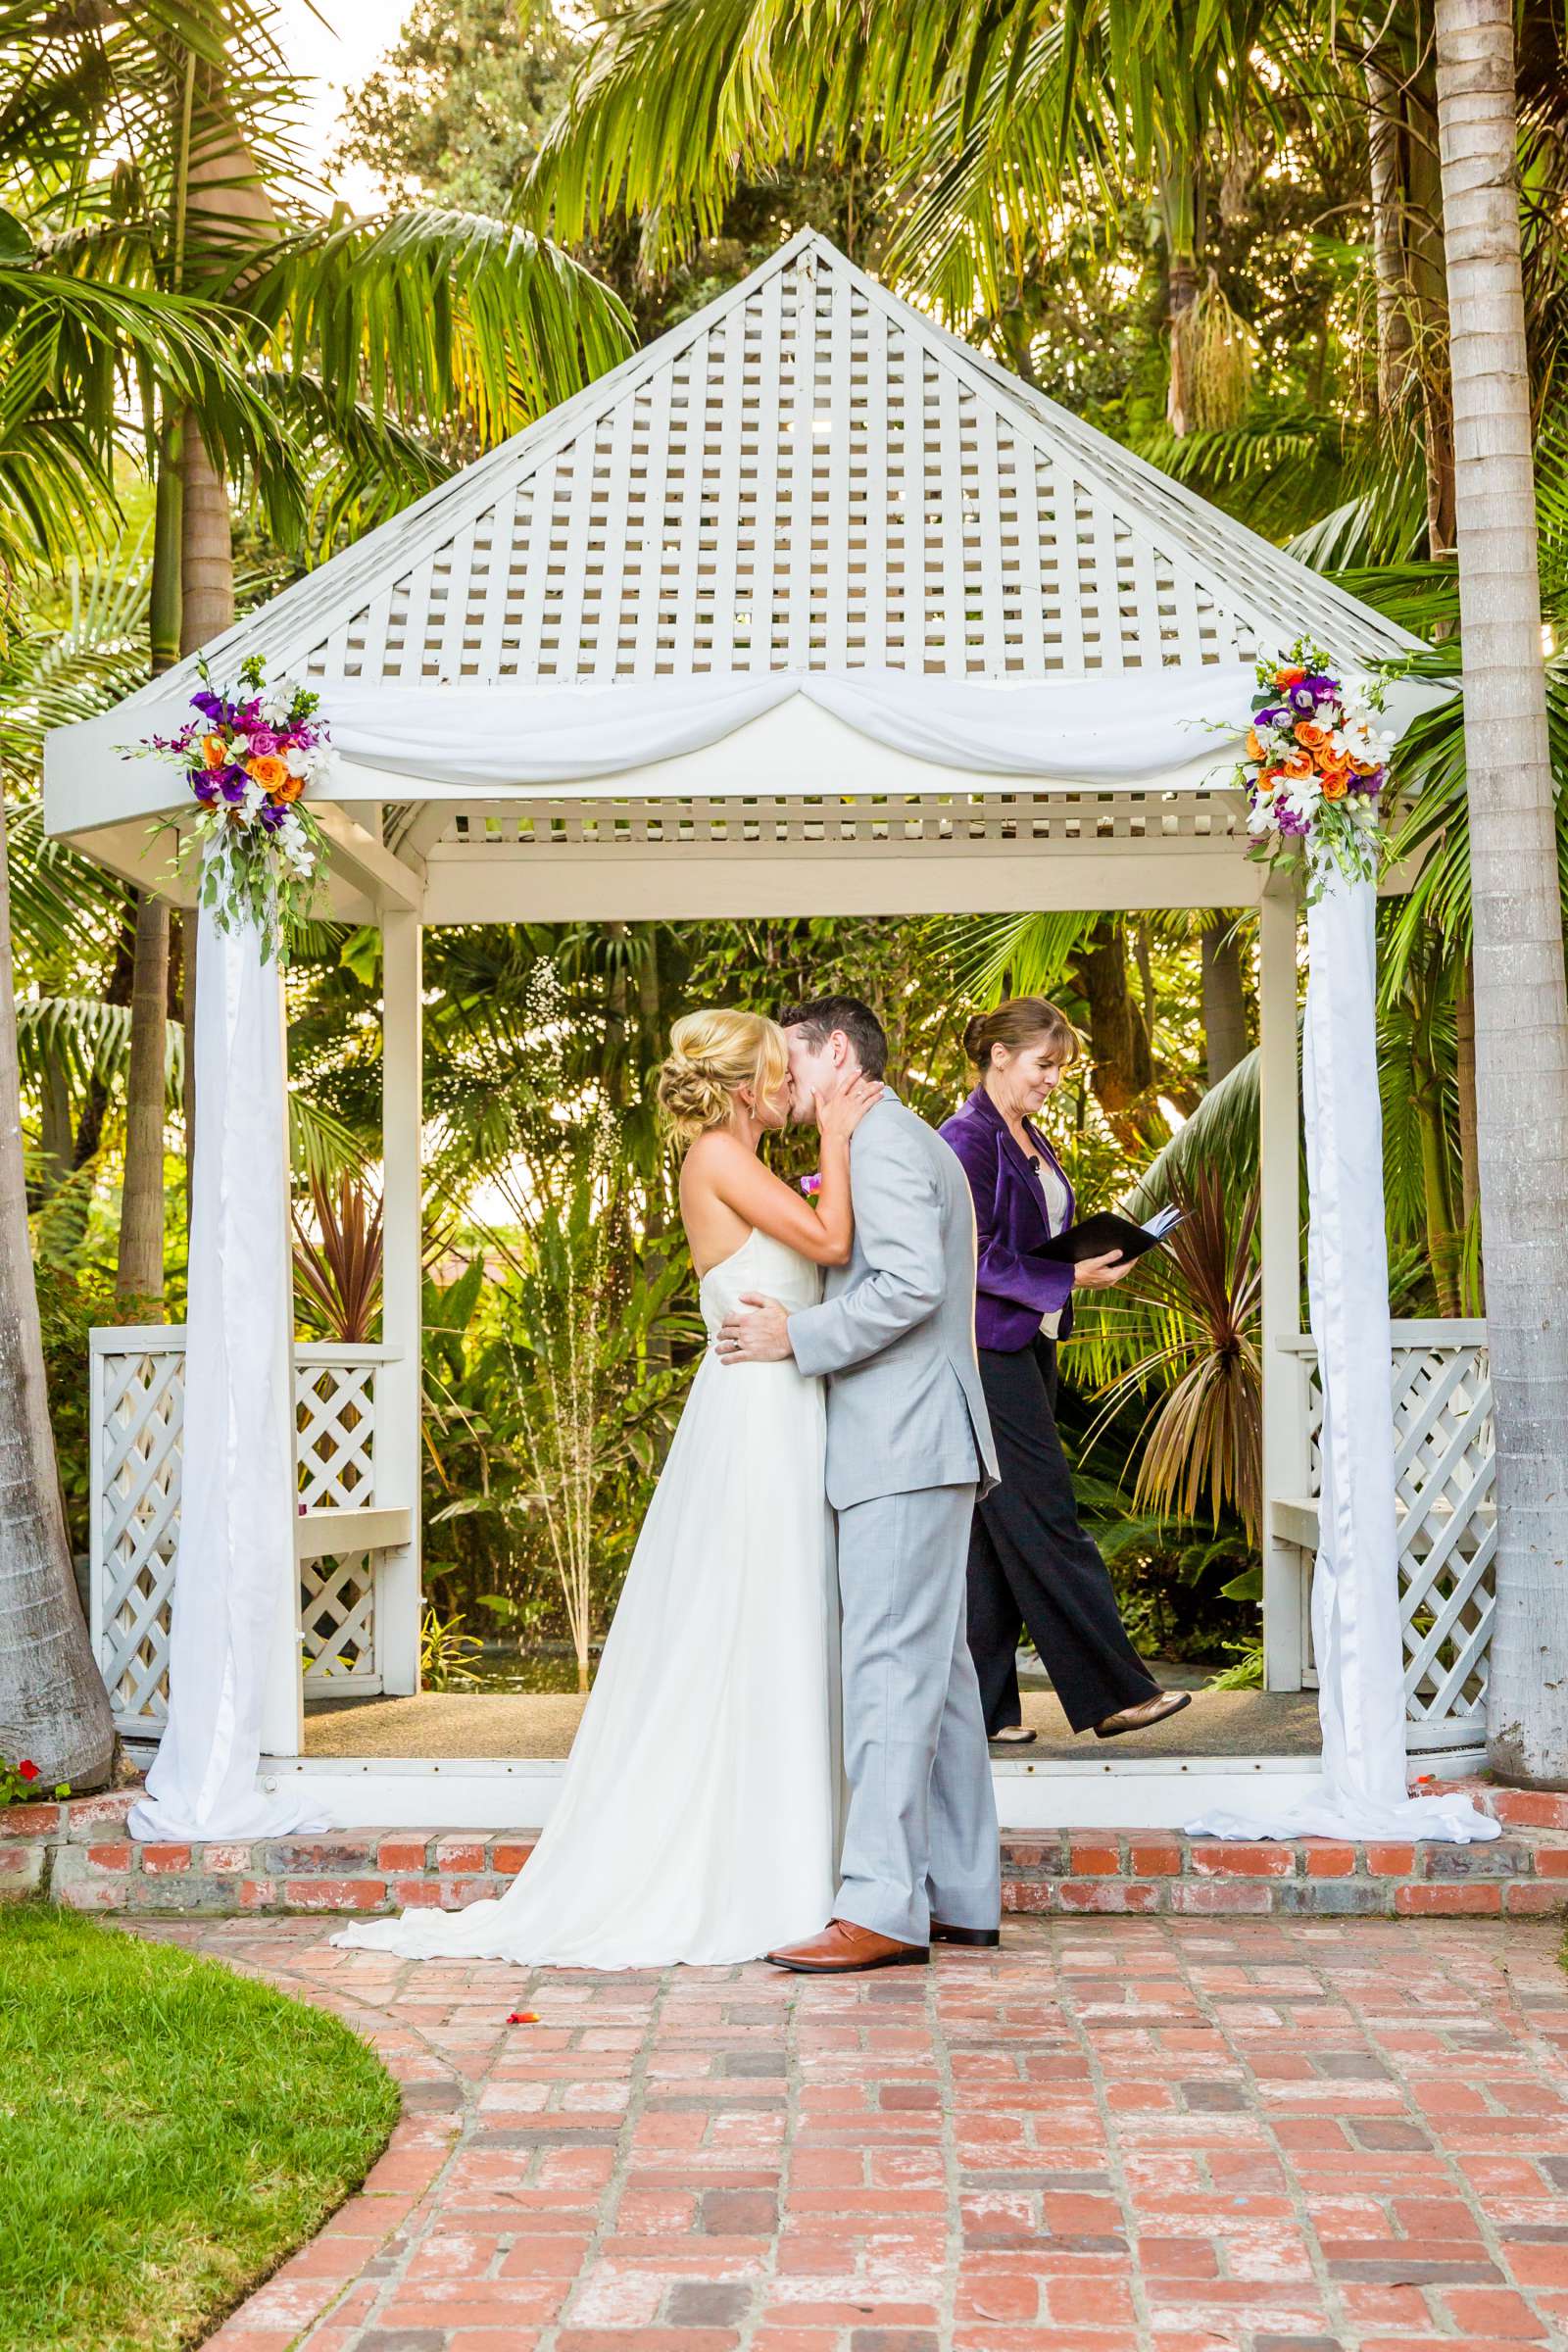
(696, 1819)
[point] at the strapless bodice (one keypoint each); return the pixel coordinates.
(760, 1265)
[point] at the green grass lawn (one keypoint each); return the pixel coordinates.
(168, 2132)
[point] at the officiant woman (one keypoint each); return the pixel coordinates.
(1031, 1565)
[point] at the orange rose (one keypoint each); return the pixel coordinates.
(1299, 764)
(1333, 763)
(1267, 781)
(267, 771)
(1254, 749)
(1288, 677)
(215, 751)
(1336, 787)
(290, 788)
(1308, 732)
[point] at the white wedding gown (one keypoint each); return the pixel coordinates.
(697, 1821)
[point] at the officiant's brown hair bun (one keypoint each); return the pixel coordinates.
(1019, 1022)
(713, 1055)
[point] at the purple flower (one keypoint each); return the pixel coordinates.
(263, 741)
(210, 706)
(1303, 699)
(204, 785)
(233, 781)
(272, 814)
(1270, 718)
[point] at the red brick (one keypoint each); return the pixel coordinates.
(509, 1857)
(1528, 1898)
(334, 1894)
(1529, 1808)
(224, 1861)
(1476, 1895)
(258, 1894)
(31, 1821)
(1227, 1859)
(157, 1859)
(1219, 1897)
(1094, 1857)
(1107, 1895)
(1390, 1861)
(1156, 1858)
(459, 1853)
(402, 1853)
(109, 1857)
(1552, 1861)
(415, 1894)
(1324, 1859)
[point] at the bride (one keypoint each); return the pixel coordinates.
(697, 1818)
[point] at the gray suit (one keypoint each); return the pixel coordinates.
(908, 1442)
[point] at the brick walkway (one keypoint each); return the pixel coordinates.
(1170, 2135)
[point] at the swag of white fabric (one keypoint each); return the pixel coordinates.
(1355, 1583)
(1126, 729)
(234, 1585)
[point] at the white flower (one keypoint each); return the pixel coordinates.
(1259, 819)
(276, 708)
(297, 760)
(254, 796)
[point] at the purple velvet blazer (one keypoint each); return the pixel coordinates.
(1013, 1287)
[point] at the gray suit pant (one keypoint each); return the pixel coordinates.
(920, 1831)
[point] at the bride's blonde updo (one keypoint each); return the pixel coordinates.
(712, 1055)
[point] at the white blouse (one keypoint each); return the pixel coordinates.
(1057, 1200)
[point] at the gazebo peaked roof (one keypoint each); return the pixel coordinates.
(849, 592)
(807, 474)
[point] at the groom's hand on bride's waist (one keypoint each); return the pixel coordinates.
(756, 1333)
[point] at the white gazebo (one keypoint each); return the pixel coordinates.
(809, 607)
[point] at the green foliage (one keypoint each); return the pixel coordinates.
(447, 1653)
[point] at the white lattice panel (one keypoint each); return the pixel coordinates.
(139, 1400)
(337, 1623)
(334, 1404)
(1445, 1481)
(995, 824)
(807, 474)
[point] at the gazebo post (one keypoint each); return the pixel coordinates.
(398, 1446)
(1286, 1449)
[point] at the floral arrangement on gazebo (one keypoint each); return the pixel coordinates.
(1315, 765)
(250, 753)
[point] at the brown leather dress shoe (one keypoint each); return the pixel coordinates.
(843, 1947)
(981, 1938)
(1142, 1718)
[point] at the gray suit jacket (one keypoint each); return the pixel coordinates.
(895, 1332)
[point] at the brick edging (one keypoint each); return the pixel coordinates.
(78, 1854)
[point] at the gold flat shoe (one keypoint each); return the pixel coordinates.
(1144, 1716)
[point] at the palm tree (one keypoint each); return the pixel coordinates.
(1522, 1067)
(54, 1709)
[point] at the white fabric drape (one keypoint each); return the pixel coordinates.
(234, 1584)
(1355, 1588)
(1121, 728)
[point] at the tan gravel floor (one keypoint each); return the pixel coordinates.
(463, 1725)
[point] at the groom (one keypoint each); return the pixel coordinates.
(907, 1443)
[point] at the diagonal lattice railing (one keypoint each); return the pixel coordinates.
(137, 1407)
(1444, 1477)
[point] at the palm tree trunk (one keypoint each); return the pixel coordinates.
(53, 1710)
(1388, 241)
(207, 610)
(1521, 1005)
(1464, 1042)
(139, 1272)
(1224, 998)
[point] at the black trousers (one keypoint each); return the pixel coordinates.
(1031, 1564)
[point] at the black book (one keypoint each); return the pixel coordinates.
(1097, 1235)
